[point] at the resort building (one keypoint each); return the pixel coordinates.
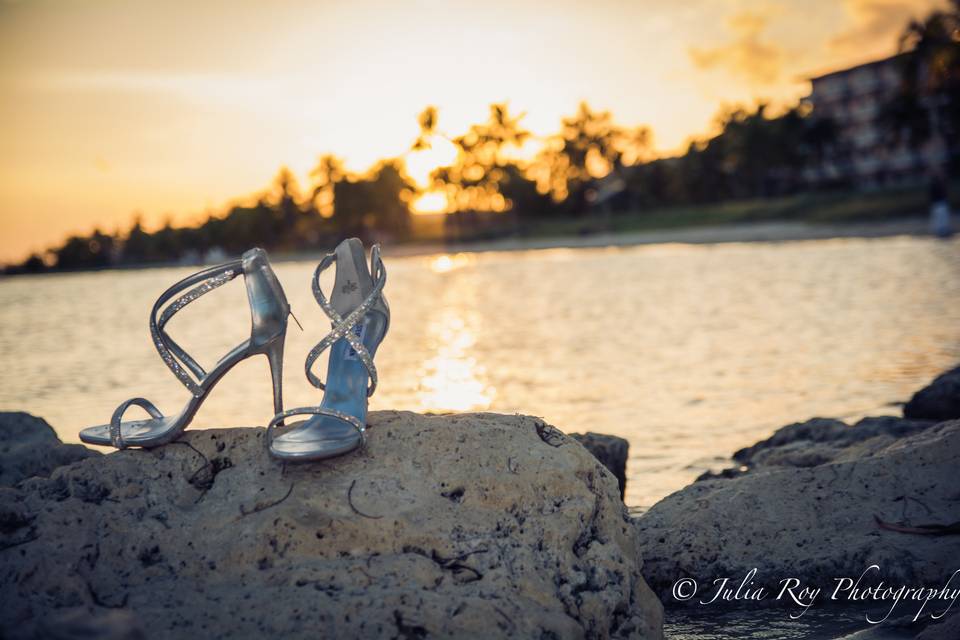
(865, 153)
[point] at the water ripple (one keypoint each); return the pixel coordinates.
(690, 352)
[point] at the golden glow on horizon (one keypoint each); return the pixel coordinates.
(420, 164)
(430, 202)
(104, 113)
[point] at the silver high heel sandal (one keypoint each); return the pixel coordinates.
(269, 310)
(360, 317)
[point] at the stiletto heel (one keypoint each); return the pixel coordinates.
(275, 356)
(360, 317)
(268, 310)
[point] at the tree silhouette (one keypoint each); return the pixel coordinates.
(374, 205)
(92, 252)
(138, 245)
(591, 163)
(285, 197)
(927, 107)
(477, 180)
(589, 146)
(428, 128)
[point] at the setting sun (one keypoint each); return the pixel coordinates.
(430, 202)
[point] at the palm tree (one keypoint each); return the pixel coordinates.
(590, 146)
(927, 108)
(475, 181)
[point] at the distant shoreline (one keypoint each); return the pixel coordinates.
(775, 231)
(784, 231)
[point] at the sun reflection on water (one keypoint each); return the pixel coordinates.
(690, 352)
(453, 379)
(449, 262)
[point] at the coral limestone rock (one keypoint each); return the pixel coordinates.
(476, 525)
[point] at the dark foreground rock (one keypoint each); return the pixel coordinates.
(940, 400)
(475, 525)
(906, 628)
(948, 629)
(609, 450)
(30, 447)
(807, 507)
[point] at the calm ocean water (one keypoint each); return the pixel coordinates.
(690, 352)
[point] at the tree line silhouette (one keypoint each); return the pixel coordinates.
(592, 168)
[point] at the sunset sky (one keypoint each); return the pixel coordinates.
(174, 108)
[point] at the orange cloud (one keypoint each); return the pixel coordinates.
(877, 24)
(748, 55)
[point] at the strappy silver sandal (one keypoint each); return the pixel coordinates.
(360, 317)
(268, 309)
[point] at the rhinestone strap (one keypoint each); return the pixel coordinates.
(353, 421)
(343, 327)
(170, 352)
(193, 294)
(116, 436)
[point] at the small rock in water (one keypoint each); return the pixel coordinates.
(939, 400)
(611, 451)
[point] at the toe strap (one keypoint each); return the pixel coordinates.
(353, 421)
(116, 437)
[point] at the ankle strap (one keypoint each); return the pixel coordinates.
(170, 352)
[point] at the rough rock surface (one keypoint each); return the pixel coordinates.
(475, 525)
(939, 400)
(612, 451)
(805, 508)
(30, 447)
